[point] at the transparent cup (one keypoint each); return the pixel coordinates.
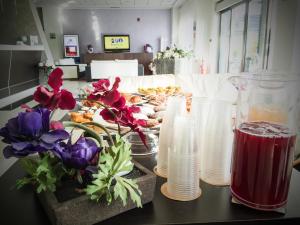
(183, 162)
(137, 146)
(265, 137)
(175, 106)
(215, 138)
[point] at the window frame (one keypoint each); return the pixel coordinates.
(263, 42)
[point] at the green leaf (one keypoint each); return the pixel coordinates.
(45, 172)
(133, 191)
(120, 191)
(29, 165)
(79, 177)
(117, 159)
(23, 181)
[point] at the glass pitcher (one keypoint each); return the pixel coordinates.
(265, 137)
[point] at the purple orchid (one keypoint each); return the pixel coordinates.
(79, 155)
(29, 133)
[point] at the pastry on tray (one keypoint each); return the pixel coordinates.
(157, 99)
(89, 103)
(80, 117)
(88, 116)
(170, 90)
(135, 99)
(151, 123)
(131, 98)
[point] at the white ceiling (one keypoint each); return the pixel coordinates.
(138, 4)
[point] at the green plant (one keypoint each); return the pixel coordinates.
(44, 172)
(108, 182)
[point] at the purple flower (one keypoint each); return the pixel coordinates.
(29, 133)
(79, 155)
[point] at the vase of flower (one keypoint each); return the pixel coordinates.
(164, 61)
(86, 170)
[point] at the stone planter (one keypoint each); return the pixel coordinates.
(164, 66)
(174, 66)
(80, 210)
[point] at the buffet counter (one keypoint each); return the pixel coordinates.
(213, 207)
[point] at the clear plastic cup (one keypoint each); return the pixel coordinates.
(215, 138)
(183, 162)
(137, 145)
(175, 106)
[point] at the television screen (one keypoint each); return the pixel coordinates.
(116, 43)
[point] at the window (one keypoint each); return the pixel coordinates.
(242, 36)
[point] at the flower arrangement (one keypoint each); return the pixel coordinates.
(173, 53)
(45, 68)
(49, 155)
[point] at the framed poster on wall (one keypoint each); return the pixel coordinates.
(71, 45)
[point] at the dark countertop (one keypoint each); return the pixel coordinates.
(213, 207)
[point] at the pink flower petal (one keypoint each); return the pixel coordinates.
(101, 85)
(120, 103)
(142, 123)
(56, 125)
(66, 100)
(134, 109)
(55, 79)
(42, 95)
(116, 83)
(107, 115)
(110, 97)
(26, 107)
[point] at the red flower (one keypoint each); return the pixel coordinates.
(120, 103)
(101, 85)
(124, 117)
(55, 79)
(103, 94)
(116, 111)
(56, 98)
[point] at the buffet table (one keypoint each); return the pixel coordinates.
(213, 207)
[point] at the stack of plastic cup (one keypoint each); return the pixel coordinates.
(183, 168)
(214, 119)
(199, 112)
(175, 106)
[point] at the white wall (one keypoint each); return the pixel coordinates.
(53, 23)
(283, 35)
(90, 25)
(296, 49)
(204, 41)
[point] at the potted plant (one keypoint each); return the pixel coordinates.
(78, 182)
(164, 61)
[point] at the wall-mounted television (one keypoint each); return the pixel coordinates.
(116, 43)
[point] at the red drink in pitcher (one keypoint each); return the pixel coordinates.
(262, 164)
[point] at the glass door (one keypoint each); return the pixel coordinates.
(237, 38)
(224, 41)
(242, 37)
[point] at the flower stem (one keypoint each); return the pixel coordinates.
(106, 107)
(103, 128)
(52, 114)
(122, 135)
(85, 128)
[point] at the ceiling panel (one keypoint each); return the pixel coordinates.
(108, 3)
